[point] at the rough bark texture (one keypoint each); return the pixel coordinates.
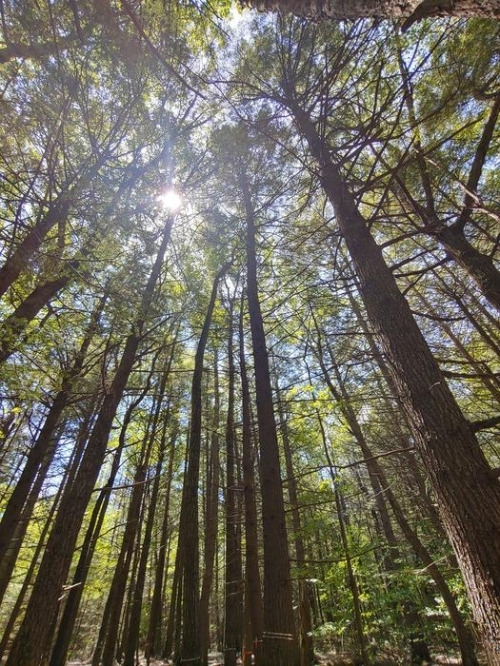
(456, 467)
(279, 639)
(385, 9)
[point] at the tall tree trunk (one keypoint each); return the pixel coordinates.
(362, 658)
(457, 469)
(32, 642)
(305, 620)
(153, 646)
(188, 524)
(18, 510)
(254, 610)
(211, 520)
(108, 635)
(68, 619)
(280, 646)
(107, 644)
(233, 623)
(133, 624)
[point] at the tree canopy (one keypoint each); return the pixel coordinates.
(249, 342)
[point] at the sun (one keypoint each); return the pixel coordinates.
(170, 200)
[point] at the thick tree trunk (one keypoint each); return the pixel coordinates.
(457, 469)
(385, 9)
(280, 646)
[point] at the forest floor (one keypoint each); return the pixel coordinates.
(328, 659)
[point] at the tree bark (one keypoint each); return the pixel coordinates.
(305, 620)
(32, 643)
(279, 646)
(188, 524)
(253, 610)
(211, 520)
(457, 469)
(233, 624)
(384, 9)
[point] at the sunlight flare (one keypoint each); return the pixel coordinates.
(171, 200)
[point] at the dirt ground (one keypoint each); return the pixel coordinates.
(330, 659)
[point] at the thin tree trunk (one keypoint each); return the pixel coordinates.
(108, 634)
(153, 646)
(305, 620)
(132, 627)
(211, 520)
(463, 634)
(32, 642)
(280, 646)
(188, 525)
(233, 624)
(68, 619)
(253, 610)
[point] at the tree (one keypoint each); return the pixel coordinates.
(386, 9)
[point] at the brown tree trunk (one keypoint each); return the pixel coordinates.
(457, 469)
(385, 9)
(361, 658)
(32, 642)
(233, 623)
(305, 620)
(253, 610)
(188, 524)
(280, 646)
(108, 634)
(17, 514)
(133, 624)
(153, 646)
(211, 520)
(68, 619)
